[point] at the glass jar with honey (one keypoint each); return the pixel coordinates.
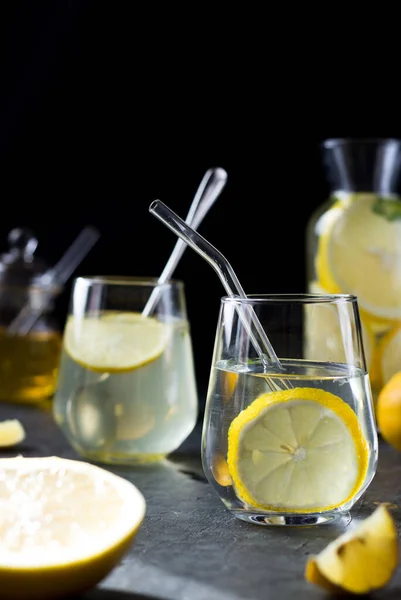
(29, 355)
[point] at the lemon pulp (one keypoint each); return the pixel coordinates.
(299, 450)
(11, 433)
(64, 525)
(358, 561)
(115, 342)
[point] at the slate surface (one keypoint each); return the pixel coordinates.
(191, 548)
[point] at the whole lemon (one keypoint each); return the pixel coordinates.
(388, 411)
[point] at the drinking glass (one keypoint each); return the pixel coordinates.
(126, 390)
(293, 442)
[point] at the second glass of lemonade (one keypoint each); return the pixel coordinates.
(126, 391)
(293, 442)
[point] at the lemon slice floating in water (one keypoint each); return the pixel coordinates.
(64, 525)
(298, 450)
(360, 253)
(115, 342)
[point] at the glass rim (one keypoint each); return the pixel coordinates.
(127, 280)
(296, 298)
(334, 142)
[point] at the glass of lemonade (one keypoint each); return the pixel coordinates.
(126, 390)
(292, 443)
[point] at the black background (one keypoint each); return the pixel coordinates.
(105, 108)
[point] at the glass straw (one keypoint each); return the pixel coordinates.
(226, 274)
(208, 191)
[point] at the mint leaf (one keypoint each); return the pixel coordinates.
(388, 208)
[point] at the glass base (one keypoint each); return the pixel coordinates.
(293, 520)
(120, 459)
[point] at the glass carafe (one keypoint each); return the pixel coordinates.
(354, 245)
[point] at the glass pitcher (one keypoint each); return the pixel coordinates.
(354, 245)
(28, 359)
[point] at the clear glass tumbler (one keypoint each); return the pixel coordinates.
(292, 442)
(126, 390)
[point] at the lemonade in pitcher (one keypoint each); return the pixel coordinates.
(354, 246)
(126, 390)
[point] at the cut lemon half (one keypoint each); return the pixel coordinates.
(359, 561)
(299, 450)
(360, 253)
(64, 525)
(115, 342)
(323, 336)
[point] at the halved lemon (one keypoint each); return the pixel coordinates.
(299, 450)
(360, 253)
(115, 342)
(323, 337)
(359, 561)
(64, 525)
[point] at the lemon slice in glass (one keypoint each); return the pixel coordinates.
(298, 450)
(360, 253)
(115, 342)
(65, 525)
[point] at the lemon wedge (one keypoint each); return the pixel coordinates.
(11, 433)
(299, 450)
(323, 338)
(360, 252)
(115, 342)
(359, 561)
(228, 384)
(64, 525)
(220, 470)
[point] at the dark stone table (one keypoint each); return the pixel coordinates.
(191, 548)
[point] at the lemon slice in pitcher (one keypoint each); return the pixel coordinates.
(360, 253)
(115, 342)
(323, 336)
(298, 450)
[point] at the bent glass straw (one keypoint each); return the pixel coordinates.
(208, 191)
(226, 274)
